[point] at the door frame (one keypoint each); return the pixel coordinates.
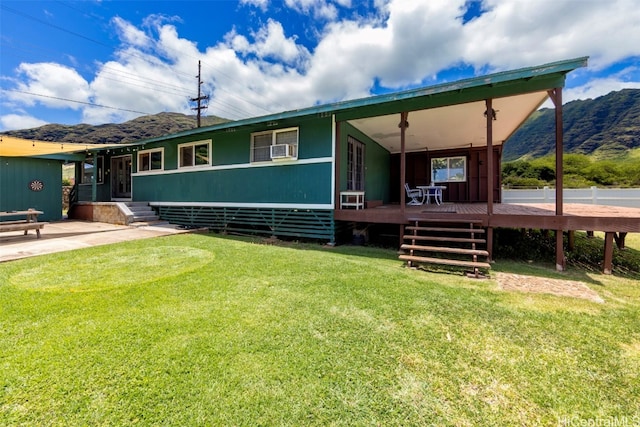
(114, 195)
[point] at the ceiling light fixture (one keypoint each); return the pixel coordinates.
(493, 114)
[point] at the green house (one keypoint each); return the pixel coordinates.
(31, 183)
(314, 172)
(31, 175)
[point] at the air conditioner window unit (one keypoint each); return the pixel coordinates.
(283, 151)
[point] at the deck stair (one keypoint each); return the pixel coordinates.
(446, 242)
(142, 212)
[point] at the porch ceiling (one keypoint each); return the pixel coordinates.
(452, 126)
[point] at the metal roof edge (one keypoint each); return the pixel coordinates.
(562, 67)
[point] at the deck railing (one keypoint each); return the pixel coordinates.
(625, 197)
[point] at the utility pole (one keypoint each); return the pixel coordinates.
(200, 97)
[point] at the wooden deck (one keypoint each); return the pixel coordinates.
(537, 216)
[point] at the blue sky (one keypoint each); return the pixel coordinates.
(95, 62)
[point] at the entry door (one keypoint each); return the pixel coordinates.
(121, 177)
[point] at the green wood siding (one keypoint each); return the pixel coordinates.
(377, 164)
(15, 175)
(295, 183)
(315, 139)
(231, 148)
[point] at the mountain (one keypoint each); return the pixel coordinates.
(134, 130)
(606, 127)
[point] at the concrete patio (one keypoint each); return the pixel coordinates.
(67, 235)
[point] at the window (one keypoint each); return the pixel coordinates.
(355, 164)
(194, 154)
(449, 169)
(151, 160)
(286, 141)
(91, 166)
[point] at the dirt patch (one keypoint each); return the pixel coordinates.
(560, 287)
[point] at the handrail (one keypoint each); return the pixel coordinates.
(73, 195)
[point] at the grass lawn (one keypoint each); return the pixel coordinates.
(207, 330)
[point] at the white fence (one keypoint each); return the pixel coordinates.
(627, 197)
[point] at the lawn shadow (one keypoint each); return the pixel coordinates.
(575, 270)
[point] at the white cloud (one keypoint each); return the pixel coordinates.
(401, 43)
(19, 121)
(520, 33)
(270, 42)
(261, 4)
(54, 82)
(596, 88)
(320, 9)
(130, 34)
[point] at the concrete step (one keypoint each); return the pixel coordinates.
(142, 212)
(145, 218)
(145, 208)
(152, 223)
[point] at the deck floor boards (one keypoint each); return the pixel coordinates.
(530, 215)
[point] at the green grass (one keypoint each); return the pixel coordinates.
(206, 330)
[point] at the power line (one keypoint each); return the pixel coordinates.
(220, 72)
(25, 15)
(76, 101)
(137, 77)
(173, 90)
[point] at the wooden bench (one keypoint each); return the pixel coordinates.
(22, 225)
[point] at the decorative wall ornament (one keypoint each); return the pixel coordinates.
(36, 185)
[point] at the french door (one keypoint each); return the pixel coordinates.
(121, 177)
(355, 164)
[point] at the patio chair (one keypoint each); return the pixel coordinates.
(414, 194)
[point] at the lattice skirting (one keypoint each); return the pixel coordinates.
(303, 223)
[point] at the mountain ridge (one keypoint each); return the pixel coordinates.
(140, 128)
(606, 127)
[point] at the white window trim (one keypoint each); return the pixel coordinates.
(273, 141)
(149, 151)
(100, 177)
(191, 144)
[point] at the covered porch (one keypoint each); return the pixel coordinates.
(614, 221)
(451, 136)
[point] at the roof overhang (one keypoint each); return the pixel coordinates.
(17, 147)
(453, 115)
(442, 116)
(452, 126)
